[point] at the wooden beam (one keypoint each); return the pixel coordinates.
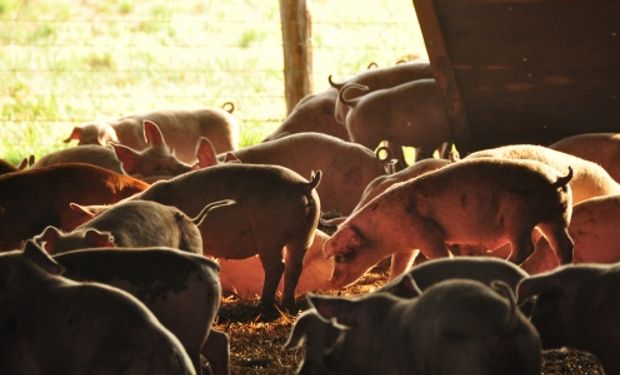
(442, 70)
(296, 23)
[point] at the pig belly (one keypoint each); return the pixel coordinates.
(465, 226)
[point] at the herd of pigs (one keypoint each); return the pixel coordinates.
(116, 252)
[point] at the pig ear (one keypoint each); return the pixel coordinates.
(205, 153)
(25, 163)
(38, 256)
(152, 134)
(129, 158)
(345, 311)
(75, 134)
(96, 238)
(533, 286)
(405, 287)
(231, 158)
(48, 238)
(349, 238)
(84, 211)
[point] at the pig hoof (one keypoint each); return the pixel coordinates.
(268, 312)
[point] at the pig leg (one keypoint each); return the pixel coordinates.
(559, 241)
(273, 267)
(294, 262)
(217, 352)
(396, 152)
(522, 247)
(426, 235)
(401, 262)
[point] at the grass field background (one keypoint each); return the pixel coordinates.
(66, 63)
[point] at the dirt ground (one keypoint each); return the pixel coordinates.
(256, 347)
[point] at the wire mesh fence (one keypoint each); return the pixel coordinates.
(65, 63)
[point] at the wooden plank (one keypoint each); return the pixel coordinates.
(531, 71)
(442, 70)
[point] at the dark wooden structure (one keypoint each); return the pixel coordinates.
(524, 71)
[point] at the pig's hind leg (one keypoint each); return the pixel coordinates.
(273, 267)
(294, 262)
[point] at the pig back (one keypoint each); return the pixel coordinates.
(347, 167)
(274, 204)
(90, 154)
(182, 129)
(182, 290)
(482, 193)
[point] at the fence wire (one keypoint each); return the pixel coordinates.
(65, 63)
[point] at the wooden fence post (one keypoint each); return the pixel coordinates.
(296, 23)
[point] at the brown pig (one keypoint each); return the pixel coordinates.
(589, 179)
(485, 202)
(132, 224)
(182, 129)
(313, 113)
(53, 325)
(594, 230)
(410, 114)
(276, 207)
(600, 148)
(245, 277)
(32, 199)
(578, 306)
(347, 168)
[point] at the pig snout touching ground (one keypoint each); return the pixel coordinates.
(313, 113)
(589, 179)
(32, 199)
(182, 128)
(60, 326)
(182, 290)
(347, 167)
(600, 148)
(578, 306)
(479, 268)
(276, 207)
(90, 154)
(319, 335)
(455, 327)
(415, 118)
(594, 230)
(155, 160)
(245, 277)
(133, 223)
(465, 203)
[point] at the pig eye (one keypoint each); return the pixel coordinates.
(344, 258)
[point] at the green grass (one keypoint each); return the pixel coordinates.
(67, 62)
